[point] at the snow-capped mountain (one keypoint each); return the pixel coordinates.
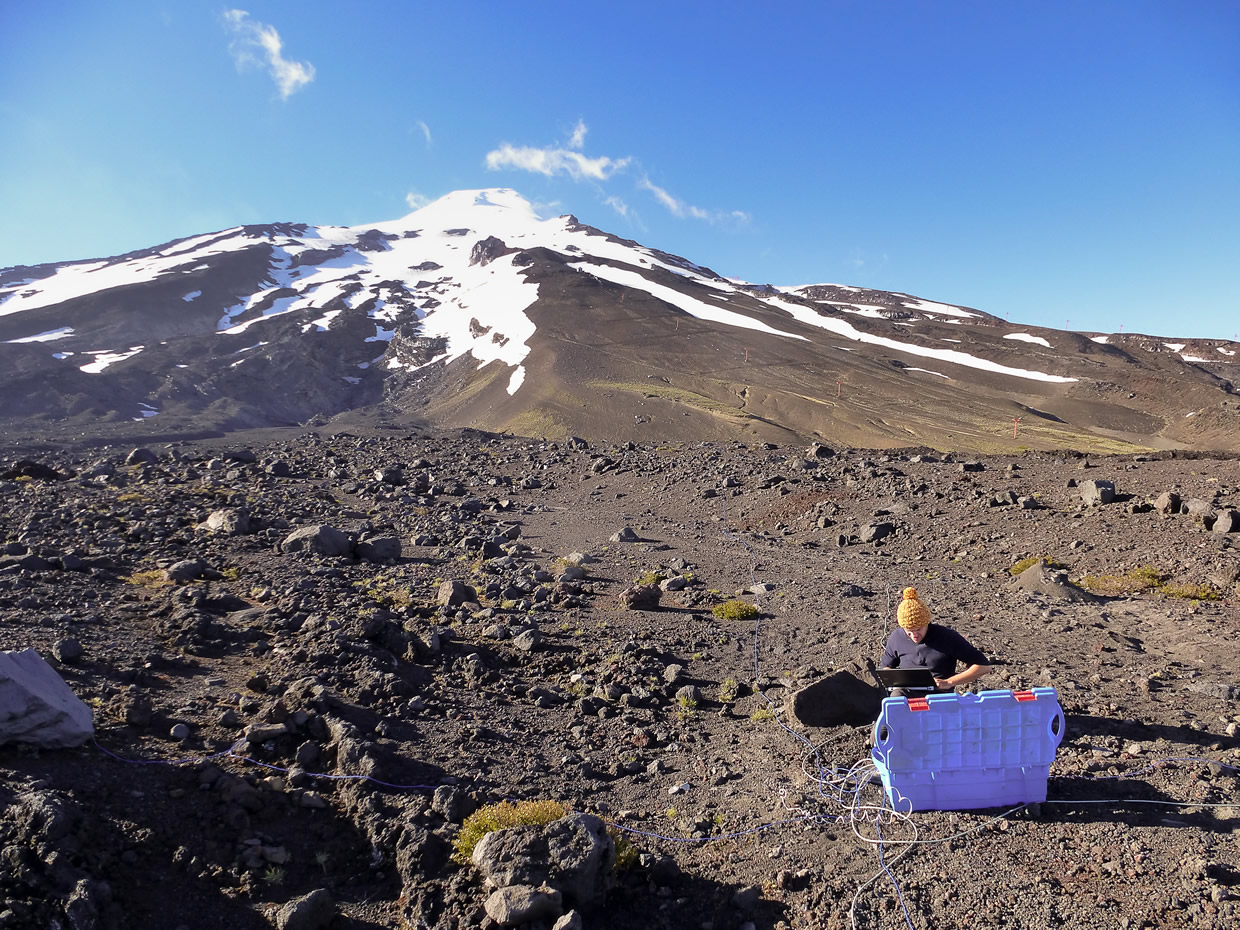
(475, 311)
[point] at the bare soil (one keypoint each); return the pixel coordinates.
(361, 671)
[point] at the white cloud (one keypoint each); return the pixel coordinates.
(257, 44)
(578, 138)
(618, 205)
(675, 206)
(416, 201)
(426, 131)
(552, 161)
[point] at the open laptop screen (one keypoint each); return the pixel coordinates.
(905, 677)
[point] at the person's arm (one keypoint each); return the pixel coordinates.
(972, 673)
(890, 657)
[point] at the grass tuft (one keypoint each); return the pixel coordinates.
(735, 610)
(501, 816)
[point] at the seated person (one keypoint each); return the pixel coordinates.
(918, 643)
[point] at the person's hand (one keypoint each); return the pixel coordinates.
(943, 683)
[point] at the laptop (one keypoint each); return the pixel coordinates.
(907, 678)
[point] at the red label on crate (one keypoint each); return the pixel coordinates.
(918, 704)
(1024, 695)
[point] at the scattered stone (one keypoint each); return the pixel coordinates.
(626, 535)
(876, 532)
(1168, 502)
(689, 694)
(1227, 521)
(317, 540)
(37, 707)
(455, 593)
(186, 571)
(522, 904)
(67, 650)
(314, 911)
(1094, 492)
(229, 521)
(378, 548)
(641, 597)
(34, 470)
(528, 640)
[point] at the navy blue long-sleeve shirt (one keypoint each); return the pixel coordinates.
(942, 648)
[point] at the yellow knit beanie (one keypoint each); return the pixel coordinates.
(912, 613)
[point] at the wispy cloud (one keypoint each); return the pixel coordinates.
(568, 159)
(426, 131)
(675, 205)
(578, 138)
(257, 44)
(680, 208)
(416, 201)
(552, 161)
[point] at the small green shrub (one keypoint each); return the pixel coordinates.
(735, 610)
(627, 854)
(728, 690)
(648, 578)
(762, 713)
(151, 578)
(1191, 592)
(501, 816)
(1144, 578)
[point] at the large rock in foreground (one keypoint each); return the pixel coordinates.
(37, 707)
(573, 855)
(839, 699)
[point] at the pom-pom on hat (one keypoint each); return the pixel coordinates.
(912, 614)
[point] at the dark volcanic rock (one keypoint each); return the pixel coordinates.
(839, 699)
(28, 469)
(317, 540)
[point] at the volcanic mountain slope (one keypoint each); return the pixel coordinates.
(473, 311)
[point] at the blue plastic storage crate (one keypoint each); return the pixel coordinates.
(965, 751)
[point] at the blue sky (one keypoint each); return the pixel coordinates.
(1063, 164)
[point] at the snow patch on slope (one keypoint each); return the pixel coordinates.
(1026, 337)
(44, 337)
(846, 329)
(690, 305)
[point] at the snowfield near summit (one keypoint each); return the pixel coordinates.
(418, 272)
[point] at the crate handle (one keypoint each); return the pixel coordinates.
(1024, 695)
(1056, 726)
(919, 703)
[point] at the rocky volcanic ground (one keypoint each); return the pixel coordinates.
(258, 620)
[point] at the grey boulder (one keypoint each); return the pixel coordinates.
(313, 911)
(37, 707)
(521, 904)
(1097, 492)
(228, 521)
(317, 540)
